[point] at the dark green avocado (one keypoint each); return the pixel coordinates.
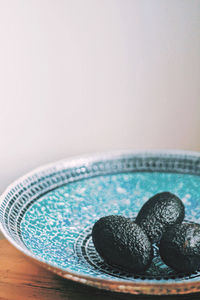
(122, 243)
(180, 247)
(158, 213)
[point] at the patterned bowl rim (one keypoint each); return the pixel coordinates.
(148, 288)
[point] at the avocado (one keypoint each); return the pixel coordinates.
(158, 213)
(122, 243)
(180, 247)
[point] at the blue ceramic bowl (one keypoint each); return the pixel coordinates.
(48, 214)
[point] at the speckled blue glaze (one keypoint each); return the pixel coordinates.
(51, 226)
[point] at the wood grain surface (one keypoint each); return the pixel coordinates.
(22, 279)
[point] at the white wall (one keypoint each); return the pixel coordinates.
(81, 76)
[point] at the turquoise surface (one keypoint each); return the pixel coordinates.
(52, 225)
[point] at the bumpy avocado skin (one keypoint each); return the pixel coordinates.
(122, 243)
(180, 247)
(158, 213)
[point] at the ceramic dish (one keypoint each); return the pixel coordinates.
(48, 214)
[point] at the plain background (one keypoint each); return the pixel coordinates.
(85, 76)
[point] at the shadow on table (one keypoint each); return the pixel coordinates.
(76, 291)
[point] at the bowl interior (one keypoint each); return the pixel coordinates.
(57, 227)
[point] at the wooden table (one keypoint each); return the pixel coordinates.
(21, 279)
